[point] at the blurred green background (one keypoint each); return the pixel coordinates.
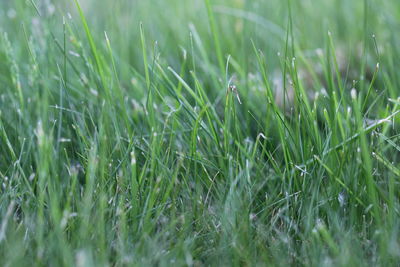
(239, 21)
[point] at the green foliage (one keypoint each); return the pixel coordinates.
(207, 132)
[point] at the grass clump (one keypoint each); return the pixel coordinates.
(199, 133)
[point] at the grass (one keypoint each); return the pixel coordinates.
(213, 132)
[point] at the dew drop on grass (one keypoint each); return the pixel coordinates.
(342, 199)
(353, 93)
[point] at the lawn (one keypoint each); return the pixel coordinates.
(199, 133)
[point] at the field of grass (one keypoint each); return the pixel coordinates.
(199, 133)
